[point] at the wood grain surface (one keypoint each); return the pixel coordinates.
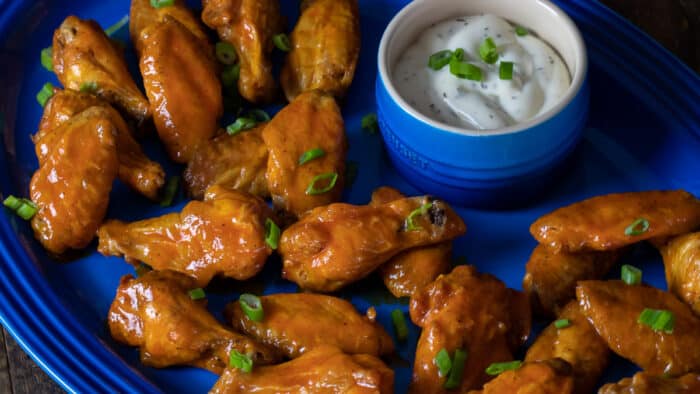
(674, 23)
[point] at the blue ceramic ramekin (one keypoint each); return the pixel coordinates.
(494, 168)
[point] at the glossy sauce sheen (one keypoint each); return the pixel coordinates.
(682, 266)
(540, 77)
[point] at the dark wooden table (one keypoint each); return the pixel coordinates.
(674, 23)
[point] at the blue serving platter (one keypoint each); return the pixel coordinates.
(643, 133)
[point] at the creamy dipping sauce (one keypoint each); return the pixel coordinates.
(539, 76)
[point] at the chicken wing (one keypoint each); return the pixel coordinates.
(643, 383)
(135, 169)
(614, 308)
(311, 121)
(297, 323)
(156, 313)
(323, 370)
(338, 244)
(236, 162)
(578, 344)
(325, 48)
(616, 220)
(470, 311)
(181, 79)
(249, 26)
(409, 271)
(84, 58)
(550, 277)
(224, 234)
(72, 185)
(682, 265)
(143, 15)
(541, 377)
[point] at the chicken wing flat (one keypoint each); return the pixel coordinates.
(682, 265)
(323, 370)
(578, 344)
(550, 277)
(541, 377)
(643, 383)
(135, 169)
(249, 26)
(297, 323)
(616, 220)
(72, 185)
(156, 313)
(143, 15)
(409, 271)
(325, 47)
(224, 234)
(236, 162)
(338, 244)
(181, 79)
(312, 121)
(470, 311)
(85, 58)
(614, 308)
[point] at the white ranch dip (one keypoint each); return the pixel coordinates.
(539, 78)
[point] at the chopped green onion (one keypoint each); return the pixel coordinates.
(258, 114)
(23, 207)
(409, 225)
(638, 227)
(12, 202)
(252, 307)
(162, 3)
(658, 319)
(241, 124)
(272, 234)
(311, 154)
(230, 75)
(88, 87)
(282, 43)
(465, 70)
(370, 123)
(225, 53)
(521, 31)
(458, 54)
(331, 177)
(399, 324)
(143, 269)
(47, 58)
(498, 368)
(351, 171)
(240, 361)
(562, 323)
(440, 59)
(117, 26)
(505, 71)
(197, 294)
(455, 377)
(45, 93)
(443, 361)
(170, 191)
(488, 51)
(631, 274)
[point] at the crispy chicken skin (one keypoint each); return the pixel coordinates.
(236, 162)
(682, 265)
(550, 277)
(578, 344)
(83, 55)
(325, 47)
(72, 185)
(142, 15)
(224, 234)
(644, 383)
(613, 308)
(135, 169)
(599, 223)
(181, 79)
(338, 244)
(249, 26)
(323, 370)
(466, 310)
(156, 313)
(313, 120)
(297, 323)
(409, 271)
(541, 377)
